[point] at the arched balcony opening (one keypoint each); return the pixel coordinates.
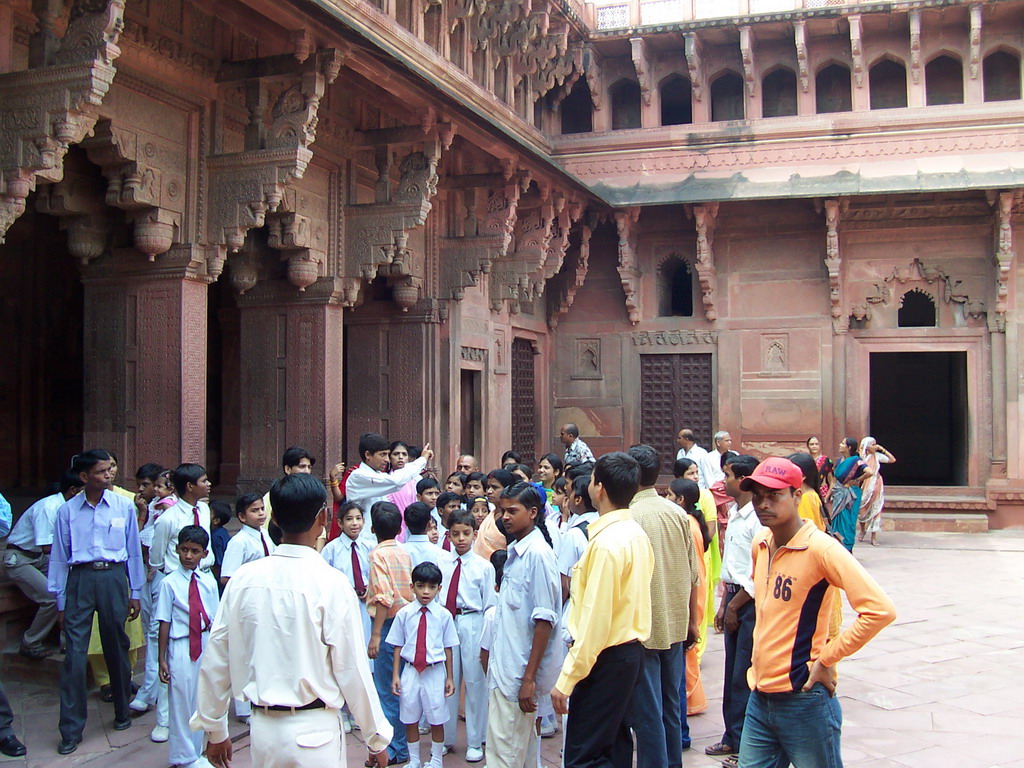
(887, 81)
(727, 97)
(625, 99)
(778, 93)
(675, 288)
(832, 90)
(917, 310)
(944, 81)
(577, 109)
(676, 101)
(1000, 72)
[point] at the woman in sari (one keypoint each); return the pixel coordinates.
(823, 464)
(688, 469)
(846, 492)
(869, 520)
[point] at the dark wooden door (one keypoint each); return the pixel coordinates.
(524, 406)
(675, 392)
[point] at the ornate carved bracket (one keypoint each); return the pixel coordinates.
(975, 40)
(595, 79)
(642, 65)
(77, 201)
(47, 109)
(694, 50)
(883, 292)
(514, 278)
(628, 265)
(486, 238)
(705, 216)
(915, 46)
(564, 299)
(1005, 256)
(856, 49)
(800, 37)
(747, 54)
(377, 234)
(833, 263)
(246, 186)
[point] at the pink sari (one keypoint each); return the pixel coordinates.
(402, 498)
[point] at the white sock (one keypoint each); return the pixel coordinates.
(414, 754)
(539, 763)
(436, 752)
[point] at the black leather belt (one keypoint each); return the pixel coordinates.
(315, 704)
(733, 587)
(97, 565)
(28, 552)
(465, 611)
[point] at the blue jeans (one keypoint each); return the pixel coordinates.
(684, 725)
(802, 728)
(383, 667)
(655, 714)
(739, 646)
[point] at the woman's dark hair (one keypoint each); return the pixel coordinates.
(460, 476)
(185, 474)
(560, 483)
(554, 461)
(851, 445)
(619, 475)
(808, 467)
(581, 487)
(398, 443)
(297, 499)
(498, 558)
(681, 465)
(689, 492)
(526, 469)
(194, 534)
(242, 502)
(528, 495)
(512, 456)
(503, 476)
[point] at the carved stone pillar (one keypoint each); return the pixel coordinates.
(1005, 431)
(145, 329)
(840, 318)
(291, 377)
(705, 215)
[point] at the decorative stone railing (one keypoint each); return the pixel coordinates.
(605, 15)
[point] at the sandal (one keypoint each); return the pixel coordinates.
(719, 750)
(732, 761)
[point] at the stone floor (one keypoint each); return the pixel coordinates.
(941, 687)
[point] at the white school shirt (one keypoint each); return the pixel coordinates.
(737, 559)
(35, 527)
(574, 542)
(366, 486)
(244, 547)
(422, 550)
(476, 583)
(172, 601)
(441, 632)
(338, 555)
(146, 534)
(288, 632)
(163, 552)
(487, 630)
(531, 591)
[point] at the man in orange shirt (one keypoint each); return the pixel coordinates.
(792, 713)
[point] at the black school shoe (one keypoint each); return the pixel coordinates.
(12, 747)
(67, 746)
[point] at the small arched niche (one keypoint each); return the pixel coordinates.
(1000, 73)
(832, 90)
(675, 288)
(577, 109)
(778, 93)
(887, 81)
(727, 97)
(676, 100)
(944, 81)
(917, 310)
(625, 99)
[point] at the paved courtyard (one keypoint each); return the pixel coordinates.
(940, 687)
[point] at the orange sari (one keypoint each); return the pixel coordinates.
(696, 700)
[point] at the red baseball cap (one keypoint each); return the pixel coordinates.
(774, 472)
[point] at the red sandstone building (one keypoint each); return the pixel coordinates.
(235, 225)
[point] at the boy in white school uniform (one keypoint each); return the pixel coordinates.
(192, 485)
(423, 634)
(251, 543)
(185, 608)
(417, 543)
(469, 592)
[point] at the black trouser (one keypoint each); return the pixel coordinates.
(739, 646)
(597, 733)
(104, 592)
(6, 715)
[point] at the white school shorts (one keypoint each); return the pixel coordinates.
(423, 695)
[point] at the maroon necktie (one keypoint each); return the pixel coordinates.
(198, 620)
(266, 549)
(451, 603)
(195, 515)
(357, 571)
(420, 660)
(447, 546)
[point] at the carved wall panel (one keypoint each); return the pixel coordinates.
(675, 392)
(524, 405)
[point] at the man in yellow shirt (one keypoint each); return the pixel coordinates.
(609, 618)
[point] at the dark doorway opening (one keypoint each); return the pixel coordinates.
(469, 414)
(676, 392)
(524, 400)
(919, 412)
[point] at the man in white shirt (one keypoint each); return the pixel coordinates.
(736, 614)
(27, 558)
(296, 674)
(711, 464)
(369, 483)
(688, 449)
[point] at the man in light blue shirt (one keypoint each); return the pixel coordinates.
(95, 567)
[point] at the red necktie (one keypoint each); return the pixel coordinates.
(447, 546)
(266, 549)
(196, 618)
(451, 603)
(420, 660)
(195, 515)
(357, 571)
